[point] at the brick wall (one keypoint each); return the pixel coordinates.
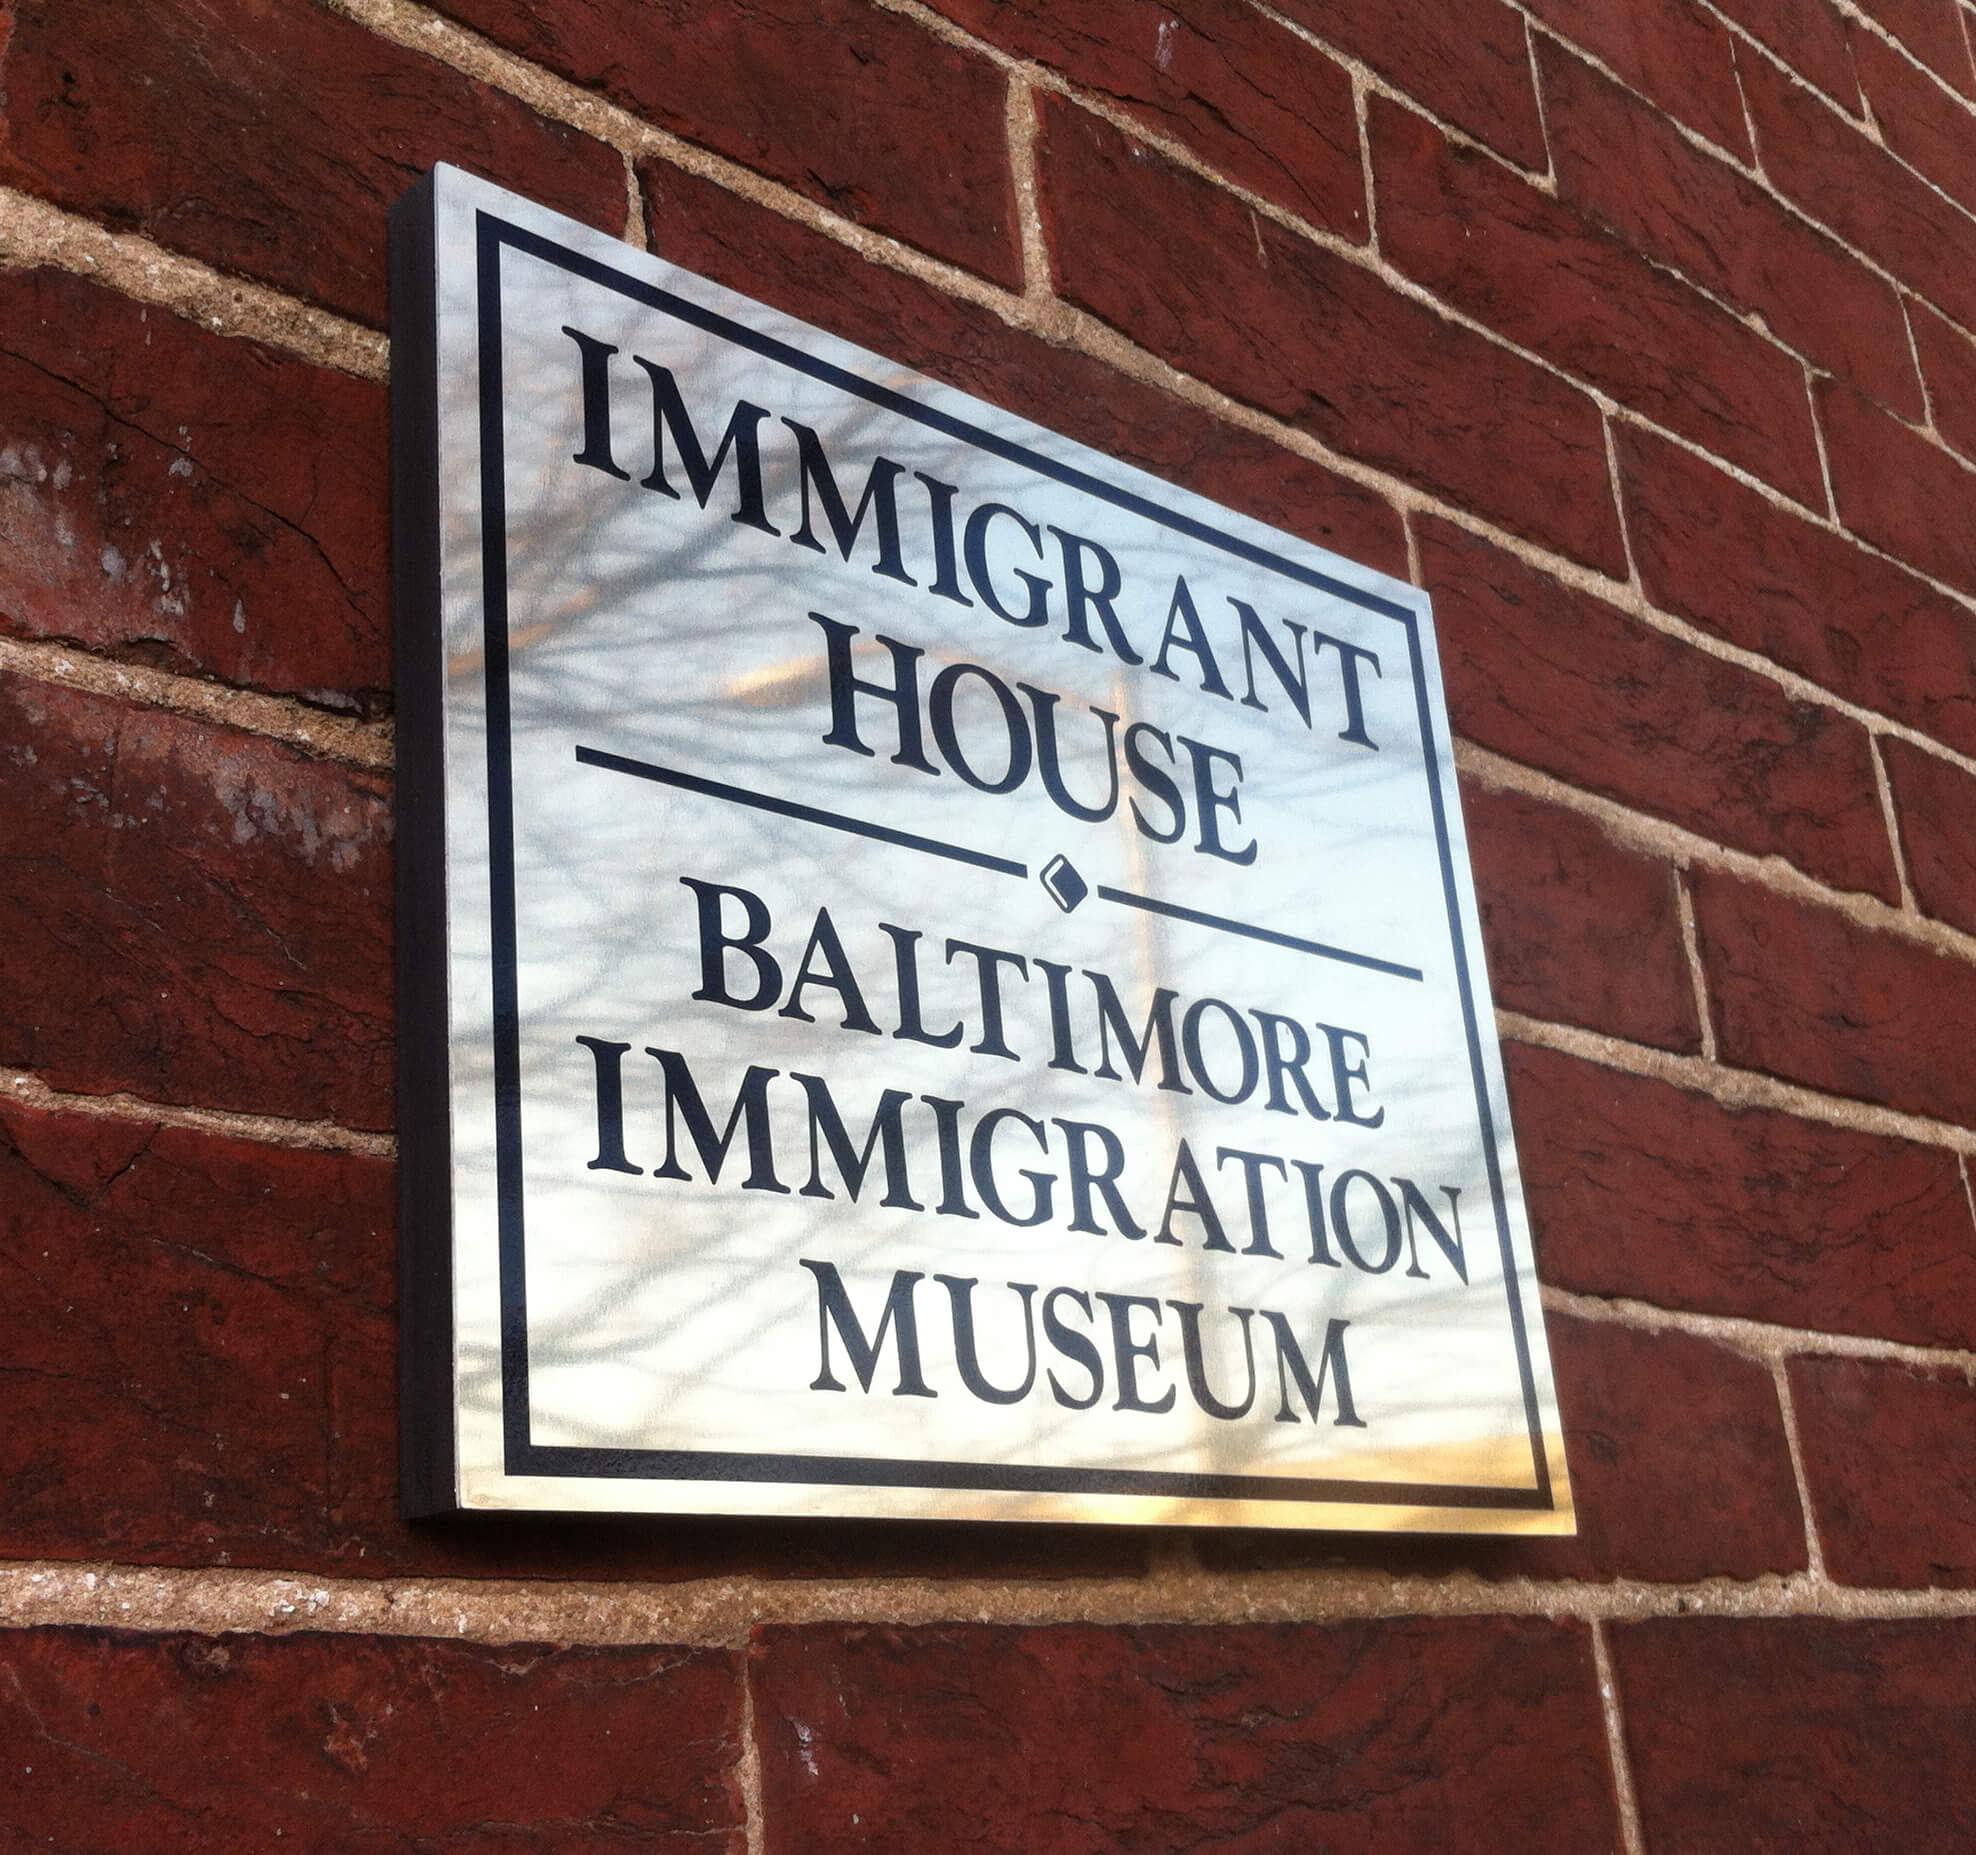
(1643, 334)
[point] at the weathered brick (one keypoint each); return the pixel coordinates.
(192, 914)
(1578, 930)
(1897, 490)
(1393, 1735)
(1930, 128)
(1470, 65)
(1641, 1190)
(1936, 804)
(1622, 165)
(269, 139)
(181, 1742)
(1890, 1463)
(1807, 34)
(1800, 1735)
(1533, 269)
(1948, 364)
(1828, 167)
(1933, 30)
(1256, 103)
(206, 505)
(1721, 555)
(1679, 1465)
(1805, 993)
(180, 1303)
(1668, 50)
(777, 261)
(1563, 683)
(858, 108)
(1189, 272)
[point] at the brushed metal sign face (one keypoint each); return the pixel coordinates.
(941, 974)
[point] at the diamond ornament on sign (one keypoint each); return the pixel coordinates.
(1065, 887)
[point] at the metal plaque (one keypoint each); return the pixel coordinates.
(940, 973)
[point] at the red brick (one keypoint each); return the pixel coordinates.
(1734, 563)
(1828, 167)
(1624, 167)
(1890, 1462)
(1561, 682)
(777, 261)
(1394, 1735)
(269, 139)
(1936, 804)
(1930, 128)
(1805, 993)
(1807, 34)
(1648, 1192)
(1258, 104)
(179, 1306)
(1668, 50)
(1933, 30)
(1470, 65)
(1190, 273)
(1679, 1465)
(1897, 490)
(1948, 364)
(858, 108)
(181, 1742)
(1800, 1735)
(190, 913)
(209, 506)
(1534, 270)
(1578, 930)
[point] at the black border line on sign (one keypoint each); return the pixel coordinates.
(524, 1457)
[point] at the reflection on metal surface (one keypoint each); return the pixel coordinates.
(959, 965)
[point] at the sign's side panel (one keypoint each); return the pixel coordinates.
(487, 1359)
(425, 1161)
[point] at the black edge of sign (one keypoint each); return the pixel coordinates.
(523, 1455)
(426, 1462)
(1491, 1149)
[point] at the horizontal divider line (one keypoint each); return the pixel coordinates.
(960, 853)
(807, 814)
(1201, 918)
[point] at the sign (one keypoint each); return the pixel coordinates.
(941, 975)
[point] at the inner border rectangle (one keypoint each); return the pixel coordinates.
(524, 1457)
